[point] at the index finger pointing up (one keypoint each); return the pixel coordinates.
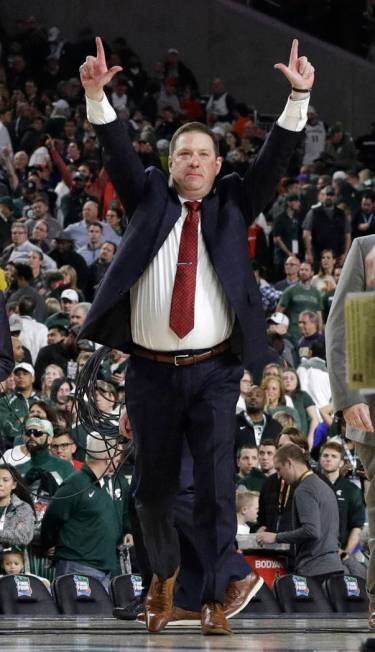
(100, 49)
(293, 53)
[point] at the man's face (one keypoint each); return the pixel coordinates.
(54, 336)
(292, 266)
(328, 199)
(77, 317)
(106, 253)
(63, 447)
(40, 209)
(305, 272)
(337, 137)
(285, 471)
(294, 205)
(112, 218)
(95, 235)
(73, 151)
(67, 306)
(306, 326)
(194, 165)
(266, 457)
(19, 235)
(40, 231)
(255, 400)
(34, 260)
(35, 439)
(367, 205)
(63, 246)
(330, 460)
(20, 160)
(247, 460)
(90, 212)
(277, 328)
(24, 380)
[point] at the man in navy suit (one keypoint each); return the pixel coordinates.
(6, 349)
(185, 381)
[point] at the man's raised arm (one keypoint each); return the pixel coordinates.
(272, 161)
(121, 161)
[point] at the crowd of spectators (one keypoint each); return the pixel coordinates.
(60, 226)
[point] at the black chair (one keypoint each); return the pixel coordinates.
(25, 595)
(264, 602)
(347, 594)
(81, 595)
(298, 594)
(121, 590)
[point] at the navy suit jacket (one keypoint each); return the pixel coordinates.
(154, 207)
(6, 349)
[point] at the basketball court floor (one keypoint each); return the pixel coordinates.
(279, 634)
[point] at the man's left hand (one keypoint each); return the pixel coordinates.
(299, 72)
(265, 537)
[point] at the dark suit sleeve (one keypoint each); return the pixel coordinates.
(122, 163)
(6, 349)
(271, 163)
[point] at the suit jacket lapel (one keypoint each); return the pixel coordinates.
(171, 215)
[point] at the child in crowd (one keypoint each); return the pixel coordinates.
(247, 505)
(12, 562)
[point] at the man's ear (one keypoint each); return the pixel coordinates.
(219, 163)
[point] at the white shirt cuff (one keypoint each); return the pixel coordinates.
(294, 116)
(100, 113)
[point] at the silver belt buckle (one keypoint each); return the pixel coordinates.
(185, 355)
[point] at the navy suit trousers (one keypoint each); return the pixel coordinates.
(165, 403)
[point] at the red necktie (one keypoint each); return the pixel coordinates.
(181, 319)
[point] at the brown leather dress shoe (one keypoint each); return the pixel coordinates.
(239, 593)
(159, 602)
(179, 617)
(213, 619)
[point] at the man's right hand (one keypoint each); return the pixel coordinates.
(358, 416)
(95, 74)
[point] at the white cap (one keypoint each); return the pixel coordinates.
(218, 129)
(279, 318)
(71, 295)
(339, 174)
(61, 104)
(15, 323)
(25, 366)
(101, 448)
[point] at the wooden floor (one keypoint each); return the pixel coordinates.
(281, 634)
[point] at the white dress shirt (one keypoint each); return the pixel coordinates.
(151, 295)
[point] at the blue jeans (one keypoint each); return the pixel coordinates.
(66, 566)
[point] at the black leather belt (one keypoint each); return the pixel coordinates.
(184, 359)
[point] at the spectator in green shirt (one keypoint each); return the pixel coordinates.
(300, 297)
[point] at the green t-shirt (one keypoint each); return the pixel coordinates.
(295, 300)
(301, 401)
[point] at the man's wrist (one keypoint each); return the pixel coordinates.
(95, 96)
(296, 95)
